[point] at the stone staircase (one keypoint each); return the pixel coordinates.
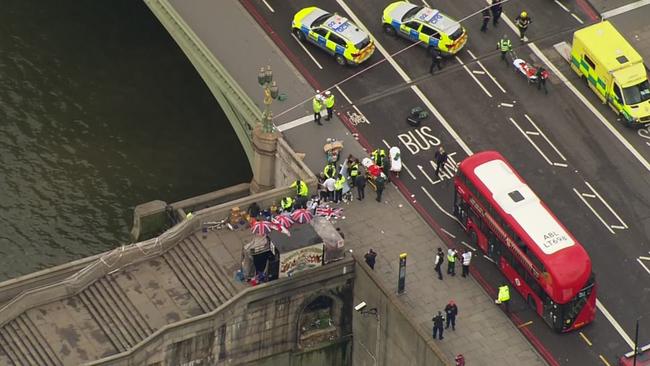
(107, 306)
(115, 314)
(21, 344)
(206, 281)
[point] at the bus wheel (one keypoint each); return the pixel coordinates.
(532, 303)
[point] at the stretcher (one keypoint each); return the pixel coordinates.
(529, 71)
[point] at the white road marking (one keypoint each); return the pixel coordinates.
(473, 77)
(593, 109)
(588, 195)
(268, 6)
(619, 227)
(562, 6)
(532, 133)
(618, 328)
(478, 72)
(560, 164)
(606, 204)
(403, 165)
(577, 18)
(426, 175)
(544, 136)
(506, 105)
(448, 233)
(425, 3)
(308, 53)
(440, 207)
(478, 62)
(640, 260)
(343, 94)
(624, 9)
(531, 142)
(406, 78)
(592, 210)
(467, 245)
(490, 259)
(295, 123)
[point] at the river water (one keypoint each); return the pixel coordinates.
(99, 111)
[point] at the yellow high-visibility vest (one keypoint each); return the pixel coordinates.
(504, 293)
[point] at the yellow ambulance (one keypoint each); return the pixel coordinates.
(613, 70)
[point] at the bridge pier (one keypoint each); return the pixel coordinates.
(265, 145)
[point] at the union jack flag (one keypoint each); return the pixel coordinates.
(329, 212)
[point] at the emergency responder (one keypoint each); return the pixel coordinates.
(329, 171)
(287, 204)
(301, 188)
(451, 261)
(379, 157)
(541, 79)
(522, 22)
(353, 170)
(338, 188)
(486, 19)
(504, 297)
(438, 321)
(496, 9)
(436, 60)
(504, 45)
(329, 104)
(317, 105)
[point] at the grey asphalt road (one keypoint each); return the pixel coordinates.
(586, 175)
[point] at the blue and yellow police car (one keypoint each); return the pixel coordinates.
(333, 33)
(429, 26)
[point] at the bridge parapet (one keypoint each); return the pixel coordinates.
(236, 104)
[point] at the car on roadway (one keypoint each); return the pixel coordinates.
(333, 33)
(422, 24)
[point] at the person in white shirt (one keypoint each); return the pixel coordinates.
(330, 185)
(467, 258)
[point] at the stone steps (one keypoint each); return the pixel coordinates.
(115, 314)
(199, 273)
(24, 345)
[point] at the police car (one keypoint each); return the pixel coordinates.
(333, 33)
(419, 23)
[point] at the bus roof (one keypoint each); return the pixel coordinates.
(564, 259)
(607, 45)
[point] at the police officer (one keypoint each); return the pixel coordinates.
(440, 258)
(522, 22)
(504, 45)
(338, 188)
(496, 9)
(486, 19)
(329, 104)
(438, 321)
(353, 170)
(329, 171)
(317, 105)
(286, 203)
(379, 155)
(301, 188)
(504, 297)
(436, 60)
(451, 262)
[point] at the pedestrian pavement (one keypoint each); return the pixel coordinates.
(484, 334)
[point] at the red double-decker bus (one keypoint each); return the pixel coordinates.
(537, 254)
